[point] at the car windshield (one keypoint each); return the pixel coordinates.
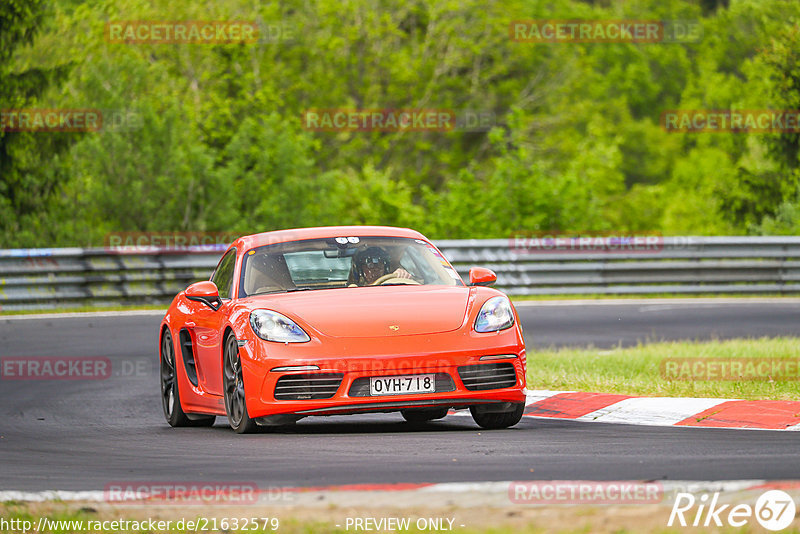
(347, 261)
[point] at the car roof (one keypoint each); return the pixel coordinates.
(296, 234)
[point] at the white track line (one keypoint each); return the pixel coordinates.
(656, 411)
(536, 395)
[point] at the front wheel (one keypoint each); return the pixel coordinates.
(496, 420)
(170, 397)
(235, 402)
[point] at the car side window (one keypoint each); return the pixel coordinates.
(223, 275)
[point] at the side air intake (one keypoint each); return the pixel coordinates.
(187, 351)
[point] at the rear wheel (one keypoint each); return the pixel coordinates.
(495, 420)
(235, 402)
(422, 415)
(170, 396)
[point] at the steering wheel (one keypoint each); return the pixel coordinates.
(394, 279)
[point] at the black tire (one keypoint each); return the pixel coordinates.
(170, 394)
(494, 421)
(423, 415)
(235, 400)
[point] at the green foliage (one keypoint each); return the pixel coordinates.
(217, 140)
(26, 186)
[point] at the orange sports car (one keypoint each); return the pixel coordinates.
(340, 320)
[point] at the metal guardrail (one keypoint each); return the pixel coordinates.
(667, 265)
(65, 277)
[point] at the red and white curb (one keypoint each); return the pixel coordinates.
(664, 411)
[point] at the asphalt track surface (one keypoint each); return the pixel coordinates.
(84, 435)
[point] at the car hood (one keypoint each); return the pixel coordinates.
(375, 311)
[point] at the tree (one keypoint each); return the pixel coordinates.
(781, 63)
(25, 188)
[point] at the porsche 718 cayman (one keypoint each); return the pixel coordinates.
(340, 320)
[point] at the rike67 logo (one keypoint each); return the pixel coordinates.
(774, 510)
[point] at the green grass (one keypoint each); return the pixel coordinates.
(637, 371)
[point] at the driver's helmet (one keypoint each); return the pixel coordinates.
(371, 256)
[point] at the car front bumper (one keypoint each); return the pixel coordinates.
(400, 356)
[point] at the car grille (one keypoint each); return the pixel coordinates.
(488, 376)
(308, 386)
(360, 386)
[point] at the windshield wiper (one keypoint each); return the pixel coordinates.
(274, 291)
(292, 290)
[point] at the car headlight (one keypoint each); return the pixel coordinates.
(272, 326)
(496, 314)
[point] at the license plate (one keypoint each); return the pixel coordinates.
(399, 385)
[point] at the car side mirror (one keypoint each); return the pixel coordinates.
(205, 292)
(479, 276)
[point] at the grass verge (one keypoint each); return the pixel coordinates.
(638, 371)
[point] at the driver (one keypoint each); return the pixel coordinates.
(373, 263)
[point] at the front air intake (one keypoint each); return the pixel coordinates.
(488, 376)
(311, 386)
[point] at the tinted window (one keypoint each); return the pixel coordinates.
(223, 276)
